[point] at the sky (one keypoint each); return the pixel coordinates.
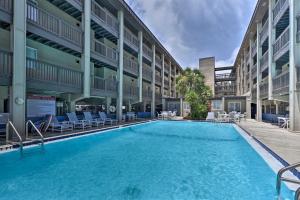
(191, 29)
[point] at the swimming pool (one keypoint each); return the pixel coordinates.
(157, 160)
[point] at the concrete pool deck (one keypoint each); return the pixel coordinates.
(282, 142)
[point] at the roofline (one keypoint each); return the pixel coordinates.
(148, 30)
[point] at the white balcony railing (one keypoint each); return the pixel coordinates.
(281, 83)
(105, 51)
(131, 39)
(264, 61)
(280, 4)
(105, 16)
(282, 41)
(254, 48)
(147, 52)
(264, 31)
(131, 65)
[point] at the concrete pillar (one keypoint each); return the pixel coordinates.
(258, 104)
(140, 60)
(276, 107)
(19, 66)
(163, 104)
(248, 107)
(153, 82)
(294, 97)
(223, 103)
(181, 107)
(271, 64)
(120, 68)
(85, 58)
(163, 76)
(170, 84)
(108, 103)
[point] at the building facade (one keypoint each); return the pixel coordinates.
(92, 51)
(268, 62)
(207, 68)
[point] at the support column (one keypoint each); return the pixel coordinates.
(163, 76)
(153, 82)
(19, 70)
(108, 103)
(294, 96)
(86, 56)
(120, 68)
(170, 74)
(276, 107)
(140, 59)
(258, 104)
(248, 107)
(181, 107)
(271, 64)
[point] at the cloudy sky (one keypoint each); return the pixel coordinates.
(191, 29)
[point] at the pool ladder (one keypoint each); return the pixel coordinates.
(280, 178)
(29, 122)
(9, 125)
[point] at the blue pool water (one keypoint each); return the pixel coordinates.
(159, 160)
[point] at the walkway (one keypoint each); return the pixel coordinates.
(284, 143)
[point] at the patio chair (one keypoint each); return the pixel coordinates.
(210, 116)
(159, 115)
(79, 124)
(107, 120)
(56, 126)
(131, 116)
(173, 114)
(94, 122)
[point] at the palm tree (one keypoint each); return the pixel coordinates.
(191, 85)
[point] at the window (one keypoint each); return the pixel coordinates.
(234, 106)
(216, 105)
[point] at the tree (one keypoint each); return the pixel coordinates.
(191, 85)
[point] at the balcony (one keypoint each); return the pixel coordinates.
(6, 10)
(5, 67)
(131, 40)
(264, 88)
(254, 48)
(131, 65)
(279, 9)
(104, 87)
(104, 54)
(52, 30)
(298, 29)
(281, 45)
(167, 83)
(167, 68)
(158, 96)
(147, 52)
(225, 90)
(264, 32)
(158, 61)
(130, 91)
(247, 57)
(281, 83)
(158, 79)
(173, 72)
(47, 76)
(264, 61)
(147, 73)
(74, 7)
(254, 71)
(225, 77)
(103, 21)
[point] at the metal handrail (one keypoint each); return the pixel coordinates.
(36, 129)
(10, 124)
(297, 194)
(280, 178)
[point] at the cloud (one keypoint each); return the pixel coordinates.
(191, 29)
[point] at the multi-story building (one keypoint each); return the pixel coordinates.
(268, 61)
(80, 51)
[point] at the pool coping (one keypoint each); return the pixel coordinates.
(274, 161)
(47, 140)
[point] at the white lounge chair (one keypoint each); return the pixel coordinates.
(78, 123)
(107, 120)
(210, 116)
(55, 125)
(94, 122)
